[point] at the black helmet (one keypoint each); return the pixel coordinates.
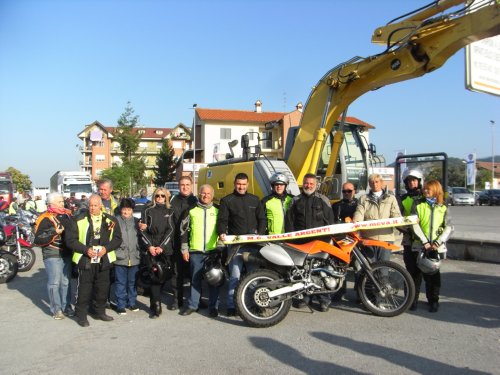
(213, 271)
(155, 273)
(279, 178)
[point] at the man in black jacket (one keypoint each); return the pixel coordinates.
(309, 210)
(181, 203)
(239, 213)
(93, 239)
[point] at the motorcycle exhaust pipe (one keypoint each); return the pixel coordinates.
(286, 289)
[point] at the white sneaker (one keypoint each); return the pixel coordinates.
(59, 315)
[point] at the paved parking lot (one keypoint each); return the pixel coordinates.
(462, 338)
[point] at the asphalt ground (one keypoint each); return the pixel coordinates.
(462, 338)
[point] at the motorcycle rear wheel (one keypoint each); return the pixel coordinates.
(27, 260)
(8, 267)
(251, 300)
(396, 295)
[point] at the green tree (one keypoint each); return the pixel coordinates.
(133, 166)
(120, 177)
(22, 181)
(165, 165)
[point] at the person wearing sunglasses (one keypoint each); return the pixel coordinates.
(158, 237)
(346, 207)
(342, 210)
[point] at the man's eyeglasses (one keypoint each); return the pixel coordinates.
(347, 191)
(160, 196)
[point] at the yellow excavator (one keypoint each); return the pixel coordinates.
(415, 44)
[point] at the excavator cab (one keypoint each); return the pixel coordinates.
(433, 166)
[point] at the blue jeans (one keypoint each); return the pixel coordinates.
(196, 263)
(125, 286)
(58, 274)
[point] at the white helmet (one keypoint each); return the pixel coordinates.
(428, 265)
(279, 178)
(413, 173)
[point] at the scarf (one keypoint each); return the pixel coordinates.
(59, 211)
(431, 201)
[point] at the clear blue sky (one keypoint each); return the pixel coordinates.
(64, 64)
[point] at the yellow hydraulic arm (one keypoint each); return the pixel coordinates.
(416, 45)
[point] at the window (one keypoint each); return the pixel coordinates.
(143, 144)
(225, 133)
(251, 134)
(159, 144)
(159, 132)
(116, 145)
(100, 157)
(177, 144)
(141, 131)
(267, 140)
(99, 144)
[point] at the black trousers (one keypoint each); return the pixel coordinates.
(181, 271)
(92, 282)
(432, 282)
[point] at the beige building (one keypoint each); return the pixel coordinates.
(100, 151)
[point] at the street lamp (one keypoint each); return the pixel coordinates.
(194, 143)
(492, 153)
(465, 164)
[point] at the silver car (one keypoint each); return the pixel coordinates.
(460, 196)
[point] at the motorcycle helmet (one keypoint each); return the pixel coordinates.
(413, 173)
(428, 264)
(154, 273)
(279, 178)
(213, 272)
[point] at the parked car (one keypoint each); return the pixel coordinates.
(460, 196)
(490, 197)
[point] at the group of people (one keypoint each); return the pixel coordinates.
(177, 238)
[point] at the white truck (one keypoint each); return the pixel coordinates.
(67, 182)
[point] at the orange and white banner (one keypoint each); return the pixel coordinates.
(324, 231)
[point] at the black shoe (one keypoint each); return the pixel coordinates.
(133, 308)
(299, 304)
(202, 304)
(187, 312)
(121, 311)
(105, 318)
(173, 307)
(156, 309)
(83, 322)
(324, 307)
(337, 297)
(69, 311)
(413, 306)
(231, 312)
(434, 307)
(213, 313)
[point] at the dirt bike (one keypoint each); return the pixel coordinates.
(263, 297)
(17, 242)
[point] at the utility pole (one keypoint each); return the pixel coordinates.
(492, 153)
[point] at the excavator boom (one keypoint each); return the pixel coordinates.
(417, 45)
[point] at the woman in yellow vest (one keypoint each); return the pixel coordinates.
(429, 238)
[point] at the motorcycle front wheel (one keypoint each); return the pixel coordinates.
(27, 259)
(8, 267)
(253, 303)
(396, 293)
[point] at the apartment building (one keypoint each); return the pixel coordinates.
(215, 128)
(100, 151)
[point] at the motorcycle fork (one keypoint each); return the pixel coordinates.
(366, 267)
(18, 244)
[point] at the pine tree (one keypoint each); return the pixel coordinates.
(165, 165)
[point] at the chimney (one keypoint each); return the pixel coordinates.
(258, 106)
(299, 106)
